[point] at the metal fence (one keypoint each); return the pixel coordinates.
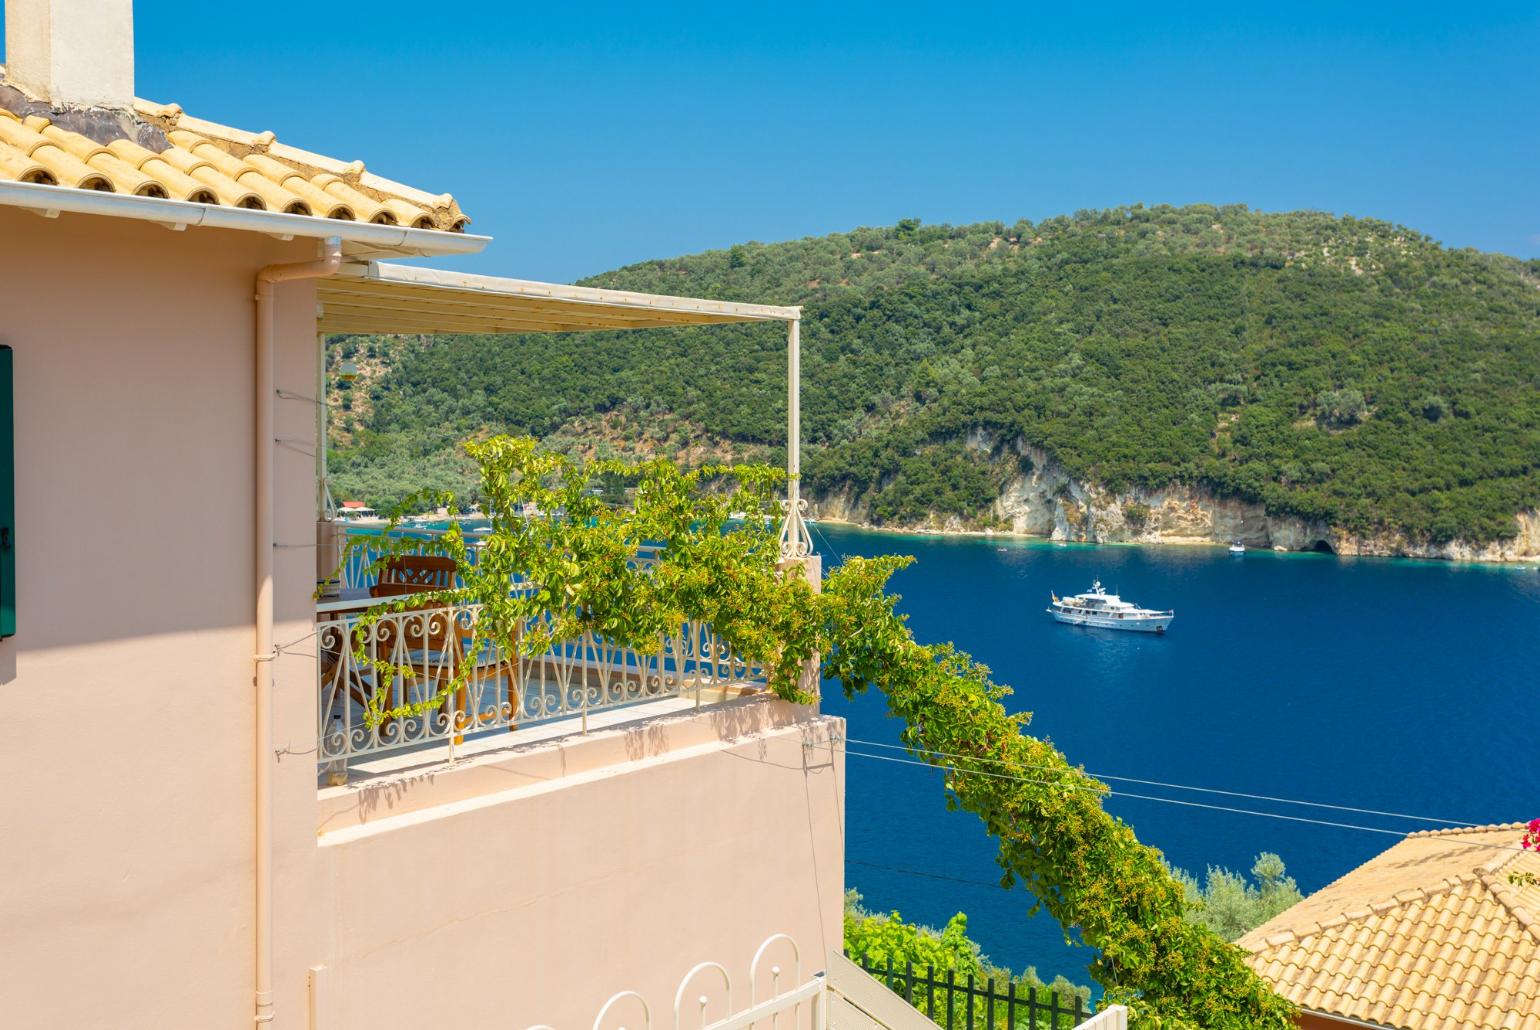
(423, 651)
(409, 658)
(967, 1004)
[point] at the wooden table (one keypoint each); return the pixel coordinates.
(347, 601)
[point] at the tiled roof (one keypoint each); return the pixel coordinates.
(1429, 934)
(157, 151)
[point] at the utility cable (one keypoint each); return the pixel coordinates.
(829, 543)
(928, 876)
(1179, 786)
(1172, 801)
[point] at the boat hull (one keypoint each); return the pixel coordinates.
(1132, 624)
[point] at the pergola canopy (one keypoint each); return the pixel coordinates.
(377, 298)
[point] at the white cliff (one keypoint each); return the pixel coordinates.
(1047, 502)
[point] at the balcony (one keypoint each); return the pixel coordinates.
(573, 687)
(410, 657)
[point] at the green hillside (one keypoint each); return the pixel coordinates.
(1341, 369)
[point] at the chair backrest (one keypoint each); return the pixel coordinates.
(414, 574)
(423, 628)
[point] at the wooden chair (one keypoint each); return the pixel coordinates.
(438, 642)
(414, 574)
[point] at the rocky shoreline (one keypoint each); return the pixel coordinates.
(1046, 503)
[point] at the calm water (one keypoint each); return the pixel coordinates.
(1380, 684)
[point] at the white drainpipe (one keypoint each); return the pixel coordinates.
(262, 550)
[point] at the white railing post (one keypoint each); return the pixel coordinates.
(583, 684)
(451, 700)
(795, 540)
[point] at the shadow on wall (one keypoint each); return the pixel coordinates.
(745, 719)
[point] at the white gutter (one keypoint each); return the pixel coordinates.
(364, 237)
(262, 549)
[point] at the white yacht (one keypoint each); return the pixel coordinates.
(1098, 608)
(1237, 548)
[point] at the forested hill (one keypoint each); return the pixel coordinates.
(1346, 371)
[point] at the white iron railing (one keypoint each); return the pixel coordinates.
(804, 1002)
(500, 691)
(431, 648)
(843, 997)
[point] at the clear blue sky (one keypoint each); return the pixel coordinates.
(585, 136)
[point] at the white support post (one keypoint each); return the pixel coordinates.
(326, 507)
(329, 537)
(795, 540)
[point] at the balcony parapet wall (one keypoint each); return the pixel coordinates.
(402, 791)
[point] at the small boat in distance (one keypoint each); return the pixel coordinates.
(1100, 609)
(1236, 547)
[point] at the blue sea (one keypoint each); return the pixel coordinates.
(1392, 685)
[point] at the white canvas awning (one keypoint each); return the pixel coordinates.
(379, 298)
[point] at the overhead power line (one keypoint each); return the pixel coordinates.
(1179, 786)
(1174, 801)
(922, 873)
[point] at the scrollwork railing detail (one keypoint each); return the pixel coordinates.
(430, 648)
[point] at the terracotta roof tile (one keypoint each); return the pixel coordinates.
(162, 152)
(1429, 934)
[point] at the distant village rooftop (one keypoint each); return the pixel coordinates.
(1430, 933)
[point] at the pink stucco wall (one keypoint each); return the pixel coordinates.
(694, 838)
(126, 747)
(126, 751)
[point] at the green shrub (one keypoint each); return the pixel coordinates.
(884, 942)
(1231, 906)
(1339, 409)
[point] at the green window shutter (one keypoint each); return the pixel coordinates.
(7, 499)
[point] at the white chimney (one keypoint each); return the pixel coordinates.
(72, 53)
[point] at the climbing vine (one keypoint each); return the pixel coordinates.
(576, 569)
(557, 563)
(1084, 866)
